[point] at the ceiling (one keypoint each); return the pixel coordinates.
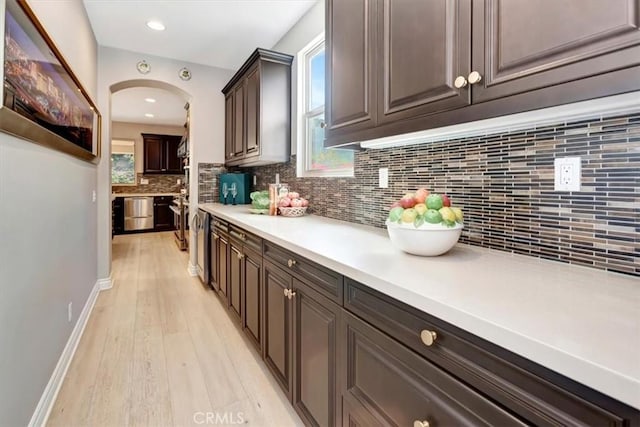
(129, 105)
(219, 33)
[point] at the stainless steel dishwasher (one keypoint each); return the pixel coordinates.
(138, 213)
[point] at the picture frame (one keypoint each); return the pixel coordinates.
(42, 100)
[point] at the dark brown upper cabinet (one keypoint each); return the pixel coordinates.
(418, 77)
(350, 82)
(404, 66)
(161, 154)
(258, 111)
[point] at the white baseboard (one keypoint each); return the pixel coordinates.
(106, 283)
(48, 398)
(192, 270)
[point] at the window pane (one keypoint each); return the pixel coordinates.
(122, 169)
(316, 68)
(320, 158)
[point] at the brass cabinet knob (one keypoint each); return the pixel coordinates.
(286, 292)
(240, 256)
(474, 77)
(230, 154)
(243, 237)
(291, 294)
(428, 337)
(291, 263)
(460, 82)
(418, 423)
(215, 236)
(323, 124)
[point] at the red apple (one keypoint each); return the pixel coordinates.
(408, 201)
(421, 195)
(296, 203)
(293, 195)
(446, 201)
(305, 203)
(394, 205)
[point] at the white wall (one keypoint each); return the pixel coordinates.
(300, 35)
(206, 121)
(47, 236)
(133, 131)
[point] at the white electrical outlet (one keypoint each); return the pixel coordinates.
(144, 181)
(93, 196)
(383, 177)
(70, 311)
(567, 174)
(255, 180)
(178, 181)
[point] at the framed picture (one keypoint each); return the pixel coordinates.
(42, 100)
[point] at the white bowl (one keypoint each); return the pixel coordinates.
(428, 240)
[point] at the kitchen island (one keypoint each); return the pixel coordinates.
(579, 322)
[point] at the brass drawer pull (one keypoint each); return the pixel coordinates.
(428, 338)
(291, 263)
(418, 423)
(215, 236)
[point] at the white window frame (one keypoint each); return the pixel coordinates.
(303, 146)
(115, 142)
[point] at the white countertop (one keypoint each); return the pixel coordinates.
(114, 195)
(581, 322)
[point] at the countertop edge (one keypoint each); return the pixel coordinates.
(609, 382)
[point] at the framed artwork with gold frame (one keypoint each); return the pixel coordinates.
(42, 99)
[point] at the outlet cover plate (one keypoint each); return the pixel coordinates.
(567, 174)
(383, 177)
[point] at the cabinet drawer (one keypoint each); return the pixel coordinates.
(219, 226)
(327, 282)
(248, 240)
(528, 389)
(398, 387)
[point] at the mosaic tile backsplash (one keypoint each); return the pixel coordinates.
(208, 181)
(157, 184)
(504, 183)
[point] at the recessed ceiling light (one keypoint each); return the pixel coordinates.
(148, 115)
(155, 25)
(150, 100)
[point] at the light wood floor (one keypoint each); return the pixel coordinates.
(159, 350)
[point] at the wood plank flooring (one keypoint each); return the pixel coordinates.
(160, 350)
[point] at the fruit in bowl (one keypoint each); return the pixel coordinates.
(292, 205)
(427, 226)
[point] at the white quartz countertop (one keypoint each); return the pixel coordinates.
(114, 195)
(580, 322)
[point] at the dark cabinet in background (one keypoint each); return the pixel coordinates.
(252, 296)
(117, 215)
(162, 214)
(396, 67)
(258, 111)
(161, 154)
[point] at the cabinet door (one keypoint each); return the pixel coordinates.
(315, 322)
(162, 216)
(173, 162)
(223, 268)
(153, 154)
(238, 121)
(350, 94)
(214, 276)
(521, 45)
(252, 297)
(235, 278)
(253, 112)
(229, 114)
(278, 323)
(398, 387)
(423, 47)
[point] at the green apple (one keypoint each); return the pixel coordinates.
(434, 201)
(421, 208)
(395, 214)
(433, 216)
(448, 217)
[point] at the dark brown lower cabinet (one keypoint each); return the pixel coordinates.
(315, 325)
(252, 296)
(277, 318)
(235, 278)
(223, 263)
(395, 386)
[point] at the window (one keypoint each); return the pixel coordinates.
(123, 165)
(313, 158)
